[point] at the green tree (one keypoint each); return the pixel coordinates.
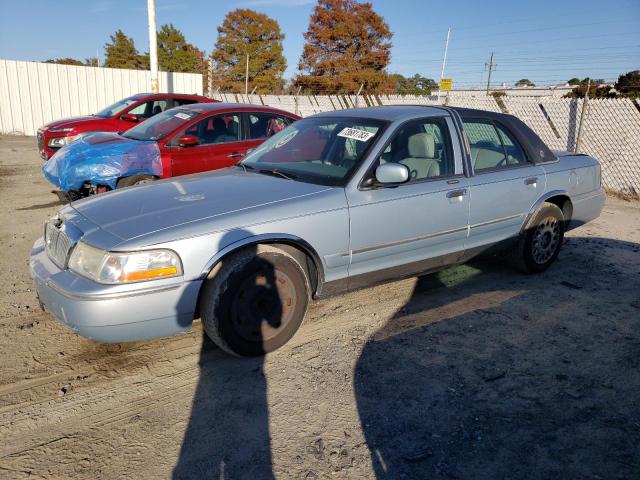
(174, 53)
(525, 82)
(574, 81)
(416, 85)
(347, 45)
(64, 61)
(629, 83)
(92, 62)
(243, 33)
(121, 52)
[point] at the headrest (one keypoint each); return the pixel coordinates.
(422, 145)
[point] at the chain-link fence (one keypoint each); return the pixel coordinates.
(610, 128)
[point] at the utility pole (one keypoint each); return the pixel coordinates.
(246, 77)
(444, 61)
(491, 66)
(153, 45)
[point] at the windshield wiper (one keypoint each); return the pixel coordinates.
(278, 173)
(244, 167)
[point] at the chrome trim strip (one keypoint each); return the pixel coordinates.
(86, 297)
(495, 220)
(402, 242)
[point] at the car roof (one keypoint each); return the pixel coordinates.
(140, 96)
(385, 112)
(241, 107)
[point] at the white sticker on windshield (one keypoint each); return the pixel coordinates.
(182, 115)
(360, 135)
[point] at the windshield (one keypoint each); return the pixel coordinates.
(160, 125)
(116, 108)
(320, 150)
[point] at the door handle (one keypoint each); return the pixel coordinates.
(531, 181)
(456, 193)
(235, 155)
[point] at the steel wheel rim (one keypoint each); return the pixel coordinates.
(546, 239)
(263, 305)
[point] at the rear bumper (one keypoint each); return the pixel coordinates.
(586, 207)
(102, 314)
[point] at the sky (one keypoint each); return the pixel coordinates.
(545, 41)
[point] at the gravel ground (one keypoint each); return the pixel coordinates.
(475, 372)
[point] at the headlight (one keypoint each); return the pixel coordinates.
(127, 267)
(62, 141)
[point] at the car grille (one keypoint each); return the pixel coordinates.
(57, 244)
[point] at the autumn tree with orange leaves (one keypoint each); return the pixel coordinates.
(348, 45)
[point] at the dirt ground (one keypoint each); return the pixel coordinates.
(475, 372)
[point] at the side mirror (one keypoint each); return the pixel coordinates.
(392, 174)
(129, 117)
(188, 141)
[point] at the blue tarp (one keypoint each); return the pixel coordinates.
(102, 158)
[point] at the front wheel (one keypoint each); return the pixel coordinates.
(255, 301)
(540, 244)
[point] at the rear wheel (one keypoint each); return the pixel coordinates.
(542, 239)
(255, 301)
(138, 179)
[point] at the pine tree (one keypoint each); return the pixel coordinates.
(121, 52)
(174, 53)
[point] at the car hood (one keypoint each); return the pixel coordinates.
(79, 124)
(192, 205)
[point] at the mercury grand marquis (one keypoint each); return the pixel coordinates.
(336, 201)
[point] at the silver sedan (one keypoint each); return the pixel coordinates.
(336, 201)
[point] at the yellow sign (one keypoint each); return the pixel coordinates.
(446, 83)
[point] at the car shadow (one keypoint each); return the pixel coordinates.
(227, 435)
(487, 373)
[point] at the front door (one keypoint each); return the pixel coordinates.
(219, 145)
(417, 226)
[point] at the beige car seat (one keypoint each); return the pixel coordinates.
(422, 160)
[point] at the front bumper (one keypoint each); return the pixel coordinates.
(112, 315)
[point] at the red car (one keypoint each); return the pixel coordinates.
(119, 117)
(188, 139)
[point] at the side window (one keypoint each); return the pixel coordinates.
(265, 125)
(492, 146)
(424, 146)
(515, 152)
(216, 129)
(177, 102)
(149, 109)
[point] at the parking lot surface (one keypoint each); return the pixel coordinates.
(475, 372)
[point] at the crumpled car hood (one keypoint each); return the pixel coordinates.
(189, 205)
(101, 159)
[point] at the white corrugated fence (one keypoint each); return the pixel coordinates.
(32, 94)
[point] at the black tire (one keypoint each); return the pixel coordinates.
(138, 179)
(254, 301)
(541, 242)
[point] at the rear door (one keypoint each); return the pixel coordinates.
(220, 145)
(261, 125)
(504, 186)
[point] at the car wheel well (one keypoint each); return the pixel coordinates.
(303, 255)
(563, 202)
